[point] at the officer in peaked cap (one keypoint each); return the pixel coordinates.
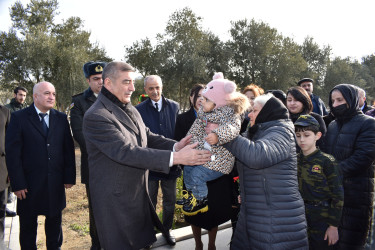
(80, 104)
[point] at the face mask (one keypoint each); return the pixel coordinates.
(340, 110)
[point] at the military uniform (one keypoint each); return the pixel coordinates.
(80, 104)
(320, 184)
(15, 106)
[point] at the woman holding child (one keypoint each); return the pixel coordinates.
(351, 140)
(272, 212)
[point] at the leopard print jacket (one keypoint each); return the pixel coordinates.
(229, 127)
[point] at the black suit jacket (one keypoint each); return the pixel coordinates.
(40, 164)
(183, 123)
(81, 103)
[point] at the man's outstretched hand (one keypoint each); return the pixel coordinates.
(190, 156)
(181, 144)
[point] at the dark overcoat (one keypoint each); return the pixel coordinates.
(80, 104)
(351, 140)
(4, 121)
(40, 164)
(120, 154)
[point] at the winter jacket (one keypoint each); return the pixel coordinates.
(318, 105)
(272, 212)
(351, 140)
(229, 127)
(15, 106)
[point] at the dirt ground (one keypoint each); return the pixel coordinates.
(75, 218)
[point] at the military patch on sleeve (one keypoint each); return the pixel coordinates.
(71, 105)
(316, 169)
(331, 157)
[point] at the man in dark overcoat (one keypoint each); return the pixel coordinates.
(121, 149)
(4, 183)
(80, 104)
(17, 103)
(41, 164)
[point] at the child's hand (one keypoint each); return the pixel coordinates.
(212, 138)
(239, 199)
(332, 235)
(210, 126)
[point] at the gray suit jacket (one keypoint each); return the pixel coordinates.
(120, 155)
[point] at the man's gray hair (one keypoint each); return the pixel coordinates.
(112, 69)
(152, 77)
(262, 99)
(361, 92)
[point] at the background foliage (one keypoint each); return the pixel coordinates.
(35, 49)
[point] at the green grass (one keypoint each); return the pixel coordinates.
(81, 229)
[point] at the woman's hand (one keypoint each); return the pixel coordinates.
(332, 235)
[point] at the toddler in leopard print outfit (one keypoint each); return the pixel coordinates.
(221, 105)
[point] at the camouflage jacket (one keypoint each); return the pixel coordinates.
(229, 128)
(319, 180)
(15, 106)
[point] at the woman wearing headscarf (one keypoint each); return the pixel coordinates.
(351, 140)
(299, 103)
(272, 214)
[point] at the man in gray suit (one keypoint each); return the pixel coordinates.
(121, 149)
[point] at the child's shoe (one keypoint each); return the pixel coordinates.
(195, 206)
(186, 197)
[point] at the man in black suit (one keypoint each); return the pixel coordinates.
(4, 183)
(40, 160)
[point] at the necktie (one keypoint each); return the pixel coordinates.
(157, 106)
(44, 124)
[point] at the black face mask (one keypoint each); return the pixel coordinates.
(340, 110)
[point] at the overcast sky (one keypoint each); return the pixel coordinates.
(347, 26)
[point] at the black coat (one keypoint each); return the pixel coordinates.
(183, 123)
(351, 140)
(4, 121)
(39, 164)
(81, 103)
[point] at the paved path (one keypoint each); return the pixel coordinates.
(12, 229)
(184, 236)
(186, 242)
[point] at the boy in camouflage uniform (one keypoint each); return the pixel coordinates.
(320, 185)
